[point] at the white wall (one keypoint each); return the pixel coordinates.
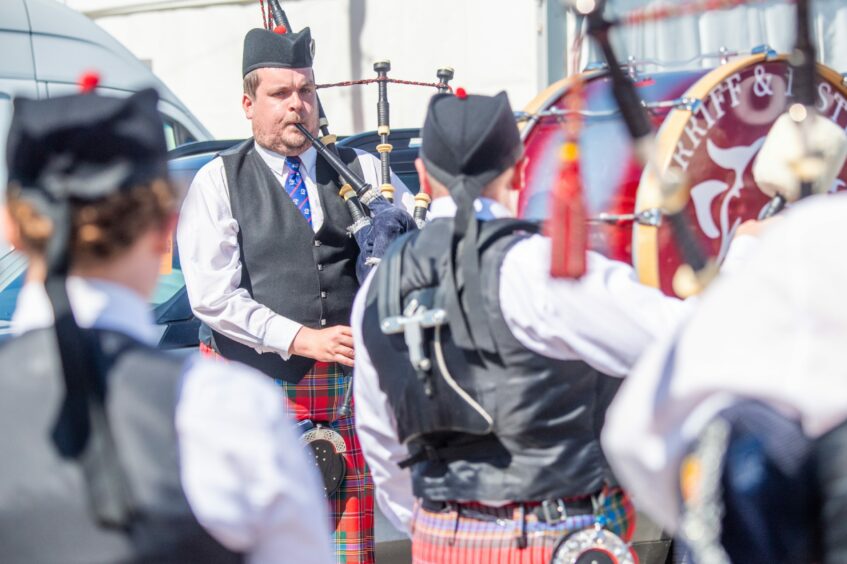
(197, 52)
(512, 45)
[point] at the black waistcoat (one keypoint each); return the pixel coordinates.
(306, 276)
(44, 515)
(530, 428)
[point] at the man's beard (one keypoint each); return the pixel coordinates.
(286, 139)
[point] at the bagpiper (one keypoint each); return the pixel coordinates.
(270, 267)
(482, 382)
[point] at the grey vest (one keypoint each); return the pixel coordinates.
(542, 440)
(306, 276)
(44, 514)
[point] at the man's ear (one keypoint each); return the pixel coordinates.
(10, 229)
(164, 237)
(422, 176)
(247, 104)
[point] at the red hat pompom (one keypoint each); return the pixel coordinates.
(89, 82)
(280, 29)
(461, 94)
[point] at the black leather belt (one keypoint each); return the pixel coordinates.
(549, 511)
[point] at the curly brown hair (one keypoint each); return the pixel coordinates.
(101, 230)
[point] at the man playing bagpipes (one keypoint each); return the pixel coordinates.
(482, 382)
(271, 269)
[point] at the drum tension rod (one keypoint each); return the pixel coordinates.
(650, 216)
(682, 103)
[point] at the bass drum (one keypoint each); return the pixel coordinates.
(715, 141)
(610, 171)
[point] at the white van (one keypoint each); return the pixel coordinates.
(44, 49)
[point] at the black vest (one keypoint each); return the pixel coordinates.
(306, 276)
(534, 431)
(44, 514)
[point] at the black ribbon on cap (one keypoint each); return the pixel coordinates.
(463, 300)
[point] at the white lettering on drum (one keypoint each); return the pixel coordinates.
(839, 104)
(789, 82)
(710, 121)
(681, 155)
(717, 99)
(733, 86)
(694, 132)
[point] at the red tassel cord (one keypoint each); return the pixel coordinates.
(567, 225)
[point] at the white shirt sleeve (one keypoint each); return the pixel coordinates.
(207, 236)
(244, 472)
(607, 318)
(377, 430)
(772, 329)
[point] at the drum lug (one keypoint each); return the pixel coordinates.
(650, 216)
(764, 49)
(725, 54)
(844, 79)
(690, 104)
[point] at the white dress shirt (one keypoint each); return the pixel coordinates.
(244, 472)
(606, 319)
(207, 237)
(775, 331)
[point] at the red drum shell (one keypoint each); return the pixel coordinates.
(610, 171)
(716, 144)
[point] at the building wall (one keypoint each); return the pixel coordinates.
(513, 45)
(491, 44)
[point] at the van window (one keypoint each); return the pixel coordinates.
(176, 134)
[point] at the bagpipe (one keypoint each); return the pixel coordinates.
(722, 151)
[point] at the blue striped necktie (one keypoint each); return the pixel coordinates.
(296, 188)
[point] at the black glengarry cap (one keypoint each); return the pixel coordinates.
(85, 146)
(264, 48)
(467, 142)
(472, 137)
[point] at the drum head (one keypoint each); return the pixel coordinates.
(610, 171)
(715, 142)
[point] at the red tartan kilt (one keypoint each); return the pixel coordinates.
(317, 397)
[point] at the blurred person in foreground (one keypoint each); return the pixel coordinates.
(114, 451)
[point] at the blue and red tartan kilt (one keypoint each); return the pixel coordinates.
(450, 537)
(317, 397)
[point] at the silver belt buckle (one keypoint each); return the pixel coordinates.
(547, 506)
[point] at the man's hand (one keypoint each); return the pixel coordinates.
(333, 344)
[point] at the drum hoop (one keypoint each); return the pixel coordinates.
(550, 95)
(645, 238)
